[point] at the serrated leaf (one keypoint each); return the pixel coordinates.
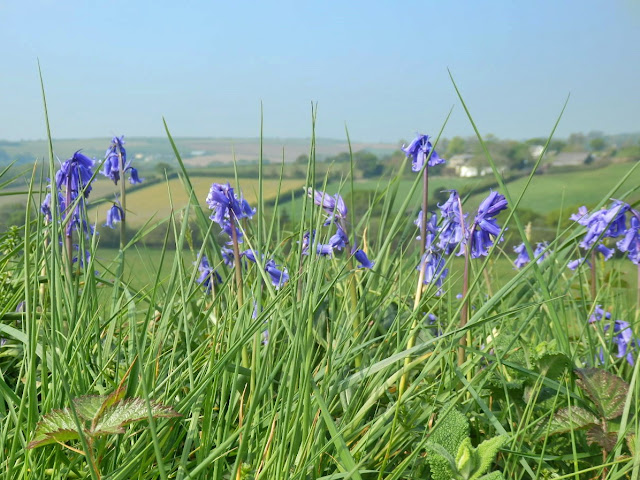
(606, 440)
(487, 452)
(56, 426)
(87, 407)
(128, 411)
(497, 475)
(608, 391)
(109, 401)
(449, 433)
(568, 419)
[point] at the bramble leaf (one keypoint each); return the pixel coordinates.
(56, 426)
(87, 407)
(553, 365)
(608, 391)
(566, 420)
(128, 411)
(606, 440)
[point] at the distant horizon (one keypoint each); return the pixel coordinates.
(331, 139)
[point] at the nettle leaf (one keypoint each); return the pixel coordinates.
(487, 452)
(608, 391)
(56, 426)
(114, 419)
(568, 419)
(606, 440)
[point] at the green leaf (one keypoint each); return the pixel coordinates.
(553, 365)
(566, 420)
(606, 440)
(87, 407)
(441, 462)
(128, 411)
(449, 433)
(467, 461)
(110, 401)
(497, 475)
(487, 452)
(608, 391)
(56, 426)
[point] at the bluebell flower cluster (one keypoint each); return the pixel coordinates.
(228, 208)
(618, 220)
(336, 212)
(73, 182)
(421, 150)
(623, 336)
(111, 167)
(485, 229)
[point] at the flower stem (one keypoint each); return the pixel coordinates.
(464, 313)
(593, 275)
(236, 258)
(68, 229)
(123, 205)
(416, 303)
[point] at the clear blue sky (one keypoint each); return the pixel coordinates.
(380, 67)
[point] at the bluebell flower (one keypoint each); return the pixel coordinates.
(432, 228)
(114, 214)
(208, 276)
(623, 337)
(334, 206)
(420, 149)
(452, 231)
(111, 166)
(75, 174)
(321, 249)
(606, 222)
(574, 264)
(630, 244)
(598, 314)
(362, 259)
(486, 228)
(227, 256)
(227, 207)
(339, 240)
(541, 252)
(434, 271)
(45, 208)
(523, 256)
(278, 276)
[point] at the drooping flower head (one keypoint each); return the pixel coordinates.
(362, 259)
(630, 244)
(111, 166)
(208, 276)
(227, 206)
(45, 208)
(432, 228)
(485, 227)
(523, 256)
(278, 276)
(114, 215)
(606, 222)
(623, 337)
(452, 231)
(434, 269)
(75, 174)
(420, 149)
(321, 249)
(334, 206)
